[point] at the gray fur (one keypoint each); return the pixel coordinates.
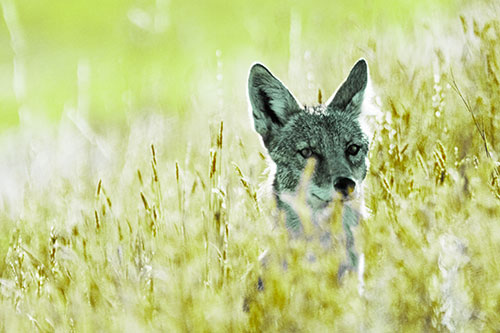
(328, 130)
(272, 103)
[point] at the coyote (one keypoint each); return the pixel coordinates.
(330, 134)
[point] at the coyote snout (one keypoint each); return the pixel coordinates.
(344, 186)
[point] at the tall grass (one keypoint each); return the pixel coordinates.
(161, 226)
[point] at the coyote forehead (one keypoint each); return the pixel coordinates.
(329, 133)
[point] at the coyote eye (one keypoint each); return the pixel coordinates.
(353, 150)
(306, 152)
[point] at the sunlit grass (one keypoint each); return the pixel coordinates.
(161, 222)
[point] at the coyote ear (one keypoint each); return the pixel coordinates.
(272, 103)
(349, 96)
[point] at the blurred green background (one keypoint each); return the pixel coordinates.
(112, 58)
(125, 145)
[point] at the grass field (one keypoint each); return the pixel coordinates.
(132, 186)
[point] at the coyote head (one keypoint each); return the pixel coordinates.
(329, 133)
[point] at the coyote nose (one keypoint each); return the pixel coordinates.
(344, 186)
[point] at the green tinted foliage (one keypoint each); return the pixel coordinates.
(141, 205)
